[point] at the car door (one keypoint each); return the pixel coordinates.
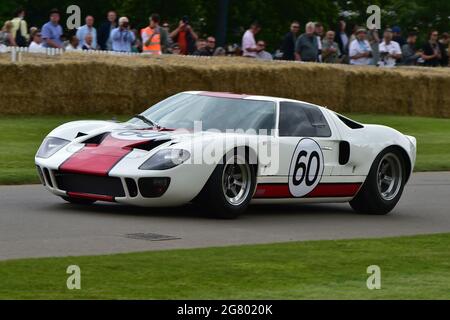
(308, 147)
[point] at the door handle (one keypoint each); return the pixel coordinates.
(327, 148)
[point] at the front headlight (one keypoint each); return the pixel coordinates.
(165, 159)
(50, 146)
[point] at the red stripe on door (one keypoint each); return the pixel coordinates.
(99, 159)
(323, 190)
(330, 190)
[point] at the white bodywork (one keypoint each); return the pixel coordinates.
(187, 180)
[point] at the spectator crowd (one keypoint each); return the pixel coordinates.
(315, 44)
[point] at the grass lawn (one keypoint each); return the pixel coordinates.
(20, 138)
(411, 268)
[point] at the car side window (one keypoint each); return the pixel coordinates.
(302, 120)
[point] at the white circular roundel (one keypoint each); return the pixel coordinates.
(135, 135)
(306, 167)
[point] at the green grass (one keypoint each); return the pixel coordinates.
(433, 138)
(20, 138)
(411, 268)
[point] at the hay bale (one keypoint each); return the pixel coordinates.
(89, 84)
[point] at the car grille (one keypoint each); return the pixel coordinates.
(89, 184)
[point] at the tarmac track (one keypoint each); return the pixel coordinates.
(34, 223)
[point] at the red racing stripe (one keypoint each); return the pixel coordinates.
(90, 196)
(99, 159)
(323, 190)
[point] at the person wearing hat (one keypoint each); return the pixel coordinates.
(360, 51)
(397, 36)
(390, 50)
(122, 38)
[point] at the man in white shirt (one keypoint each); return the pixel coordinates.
(36, 43)
(360, 51)
(248, 41)
(390, 50)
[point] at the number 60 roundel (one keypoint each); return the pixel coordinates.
(306, 167)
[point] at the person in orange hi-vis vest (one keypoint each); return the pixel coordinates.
(151, 36)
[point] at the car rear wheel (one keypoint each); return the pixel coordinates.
(230, 188)
(78, 200)
(384, 184)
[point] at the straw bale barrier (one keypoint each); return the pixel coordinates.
(77, 83)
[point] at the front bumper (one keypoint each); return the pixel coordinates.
(173, 187)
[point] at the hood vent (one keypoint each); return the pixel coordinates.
(96, 139)
(151, 144)
(81, 134)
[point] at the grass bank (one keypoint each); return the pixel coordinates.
(411, 268)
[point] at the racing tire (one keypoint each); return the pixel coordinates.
(384, 184)
(78, 200)
(230, 187)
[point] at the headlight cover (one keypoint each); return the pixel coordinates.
(165, 159)
(50, 146)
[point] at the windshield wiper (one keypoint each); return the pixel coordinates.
(147, 120)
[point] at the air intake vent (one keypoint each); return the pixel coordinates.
(96, 139)
(152, 144)
(132, 187)
(81, 134)
(344, 152)
(47, 177)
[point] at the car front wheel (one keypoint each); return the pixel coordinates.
(384, 184)
(230, 187)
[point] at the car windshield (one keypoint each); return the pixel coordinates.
(183, 110)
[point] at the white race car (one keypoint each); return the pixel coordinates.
(223, 151)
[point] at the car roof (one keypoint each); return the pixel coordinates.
(247, 97)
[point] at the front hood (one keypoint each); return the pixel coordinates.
(78, 131)
(97, 154)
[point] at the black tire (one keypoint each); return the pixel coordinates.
(78, 200)
(213, 197)
(371, 199)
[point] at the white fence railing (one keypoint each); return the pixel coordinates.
(16, 52)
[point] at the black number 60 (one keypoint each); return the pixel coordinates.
(306, 168)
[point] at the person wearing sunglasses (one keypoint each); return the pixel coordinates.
(36, 43)
(261, 53)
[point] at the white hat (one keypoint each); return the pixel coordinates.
(123, 19)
